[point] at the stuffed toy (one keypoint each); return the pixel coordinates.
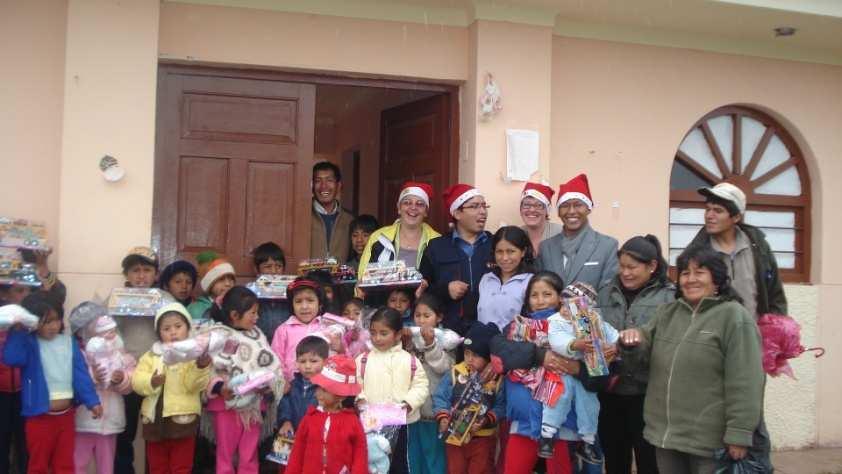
(378, 453)
(104, 350)
(12, 314)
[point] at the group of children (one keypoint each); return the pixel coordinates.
(76, 406)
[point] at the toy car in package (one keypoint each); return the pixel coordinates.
(23, 234)
(389, 274)
(339, 273)
(271, 287)
(137, 301)
(14, 271)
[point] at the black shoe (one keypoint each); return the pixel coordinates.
(545, 448)
(587, 453)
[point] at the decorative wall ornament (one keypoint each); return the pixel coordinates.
(490, 101)
(111, 169)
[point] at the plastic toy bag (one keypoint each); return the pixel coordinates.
(445, 338)
(209, 339)
(247, 386)
(137, 301)
(12, 314)
(747, 465)
(781, 342)
(106, 354)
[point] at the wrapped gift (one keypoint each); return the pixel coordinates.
(12, 314)
(388, 275)
(339, 273)
(23, 234)
(208, 339)
(445, 338)
(376, 416)
(588, 324)
(137, 301)
(281, 449)
(271, 287)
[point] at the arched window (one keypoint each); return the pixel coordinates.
(751, 150)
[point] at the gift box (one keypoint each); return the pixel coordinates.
(389, 275)
(23, 234)
(137, 301)
(271, 287)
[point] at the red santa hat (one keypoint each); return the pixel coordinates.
(422, 191)
(576, 188)
(459, 194)
(539, 191)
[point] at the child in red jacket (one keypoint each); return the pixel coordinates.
(330, 439)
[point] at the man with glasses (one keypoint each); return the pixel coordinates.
(454, 263)
(578, 253)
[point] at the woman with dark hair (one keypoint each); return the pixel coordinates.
(706, 381)
(630, 301)
(501, 291)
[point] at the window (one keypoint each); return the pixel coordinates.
(751, 150)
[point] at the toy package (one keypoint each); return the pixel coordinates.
(12, 314)
(381, 423)
(389, 275)
(23, 234)
(137, 301)
(339, 273)
(588, 324)
(247, 387)
(281, 449)
(210, 339)
(447, 339)
(469, 408)
(13, 270)
(271, 287)
(104, 350)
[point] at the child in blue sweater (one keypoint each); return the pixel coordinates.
(310, 356)
(55, 379)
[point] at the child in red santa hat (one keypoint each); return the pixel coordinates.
(330, 438)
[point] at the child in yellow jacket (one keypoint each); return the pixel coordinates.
(171, 404)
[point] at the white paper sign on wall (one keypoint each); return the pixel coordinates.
(521, 154)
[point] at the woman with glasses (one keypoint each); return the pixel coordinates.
(535, 212)
(578, 253)
(407, 238)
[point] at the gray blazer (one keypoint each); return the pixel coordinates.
(595, 262)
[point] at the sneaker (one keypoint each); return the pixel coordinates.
(587, 453)
(545, 448)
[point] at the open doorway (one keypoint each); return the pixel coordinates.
(234, 150)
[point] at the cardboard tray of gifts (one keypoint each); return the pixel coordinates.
(23, 234)
(341, 274)
(14, 271)
(271, 287)
(137, 301)
(389, 275)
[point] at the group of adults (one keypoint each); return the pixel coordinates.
(687, 381)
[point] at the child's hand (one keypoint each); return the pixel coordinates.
(99, 374)
(117, 377)
(478, 425)
(421, 288)
(286, 429)
(610, 352)
(203, 361)
(96, 412)
(428, 335)
(406, 406)
(226, 393)
(583, 345)
(158, 379)
(443, 425)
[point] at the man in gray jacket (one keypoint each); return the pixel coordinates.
(579, 253)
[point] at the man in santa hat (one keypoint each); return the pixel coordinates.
(535, 202)
(454, 263)
(579, 253)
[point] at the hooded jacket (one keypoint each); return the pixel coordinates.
(770, 290)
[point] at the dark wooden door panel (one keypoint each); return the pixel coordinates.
(415, 144)
(232, 165)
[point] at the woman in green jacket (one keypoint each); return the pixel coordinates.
(706, 381)
(630, 301)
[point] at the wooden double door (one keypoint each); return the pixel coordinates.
(232, 166)
(234, 156)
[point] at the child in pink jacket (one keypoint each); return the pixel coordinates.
(307, 304)
(111, 370)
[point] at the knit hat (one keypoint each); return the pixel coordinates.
(728, 193)
(478, 339)
(216, 270)
(137, 255)
(422, 191)
(104, 324)
(576, 188)
(578, 289)
(339, 376)
(539, 191)
(173, 269)
(85, 313)
(173, 308)
(459, 194)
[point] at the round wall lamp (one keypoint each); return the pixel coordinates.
(111, 169)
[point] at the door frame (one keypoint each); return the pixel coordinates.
(340, 79)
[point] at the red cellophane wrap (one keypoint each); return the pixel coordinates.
(781, 342)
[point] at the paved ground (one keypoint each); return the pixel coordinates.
(808, 461)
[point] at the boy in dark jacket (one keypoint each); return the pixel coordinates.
(310, 356)
(269, 259)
